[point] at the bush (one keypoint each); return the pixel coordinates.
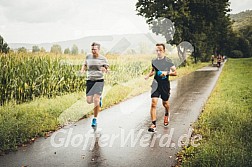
(236, 54)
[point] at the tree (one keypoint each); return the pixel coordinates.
(244, 47)
(22, 50)
(246, 34)
(75, 50)
(67, 51)
(210, 21)
(35, 49)
(236, 54)
(42, 50)
(56, 49)
(4, 48)
(205, 24)
(168, 18)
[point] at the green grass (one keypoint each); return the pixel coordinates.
(226, 123)
(21, 123)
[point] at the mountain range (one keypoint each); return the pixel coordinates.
(138, 43)
(242, 19)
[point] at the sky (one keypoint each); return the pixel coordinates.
(40, 21)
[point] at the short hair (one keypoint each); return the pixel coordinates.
(161, 44)
(96, 44)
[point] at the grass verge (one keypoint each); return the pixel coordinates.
(225, 123)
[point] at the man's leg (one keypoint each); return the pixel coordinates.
(90, 99)
(96, 100)
(94, 89)
(89, 93)
(153, 109)
(167, 107)
(165, 95)
(166, 117)
(97, 107)
(153, 112)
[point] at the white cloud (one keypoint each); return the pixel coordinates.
(238, 5)
(33, 21)
(36, 11)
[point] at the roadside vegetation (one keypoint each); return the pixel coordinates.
(225, 123)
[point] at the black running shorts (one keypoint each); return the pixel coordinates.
(161, 89)
(94, 87)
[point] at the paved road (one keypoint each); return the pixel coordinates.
(121, 138)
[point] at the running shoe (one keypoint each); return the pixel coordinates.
(166, 120)
(152, 128)
(94, 122)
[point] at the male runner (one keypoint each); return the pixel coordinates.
(95, 65)
(162, 68)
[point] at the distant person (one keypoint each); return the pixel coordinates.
(224, 58)
(212, 59)
(162, 68)
(95, 65)
(219, 59)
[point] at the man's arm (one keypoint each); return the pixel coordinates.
(105, 66)
(152, 72)
(83, 68)
(173, 71)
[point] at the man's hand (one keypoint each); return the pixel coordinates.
(83, 68)
(104, 70)
(173, 71)
(164, 73)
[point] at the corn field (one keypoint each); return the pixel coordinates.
(25, 76)
(123, 71)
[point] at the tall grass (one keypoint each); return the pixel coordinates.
(226, 124)
(25, 76)
(127, 68)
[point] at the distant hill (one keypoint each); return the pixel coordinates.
(242, 19)
(138, 43)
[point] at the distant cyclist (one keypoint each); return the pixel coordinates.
(95, 65)
(162, 68)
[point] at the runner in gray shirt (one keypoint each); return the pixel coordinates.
(95, 65)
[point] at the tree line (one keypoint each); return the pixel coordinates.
(205, 24)
(56, 49)
(4, 48)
